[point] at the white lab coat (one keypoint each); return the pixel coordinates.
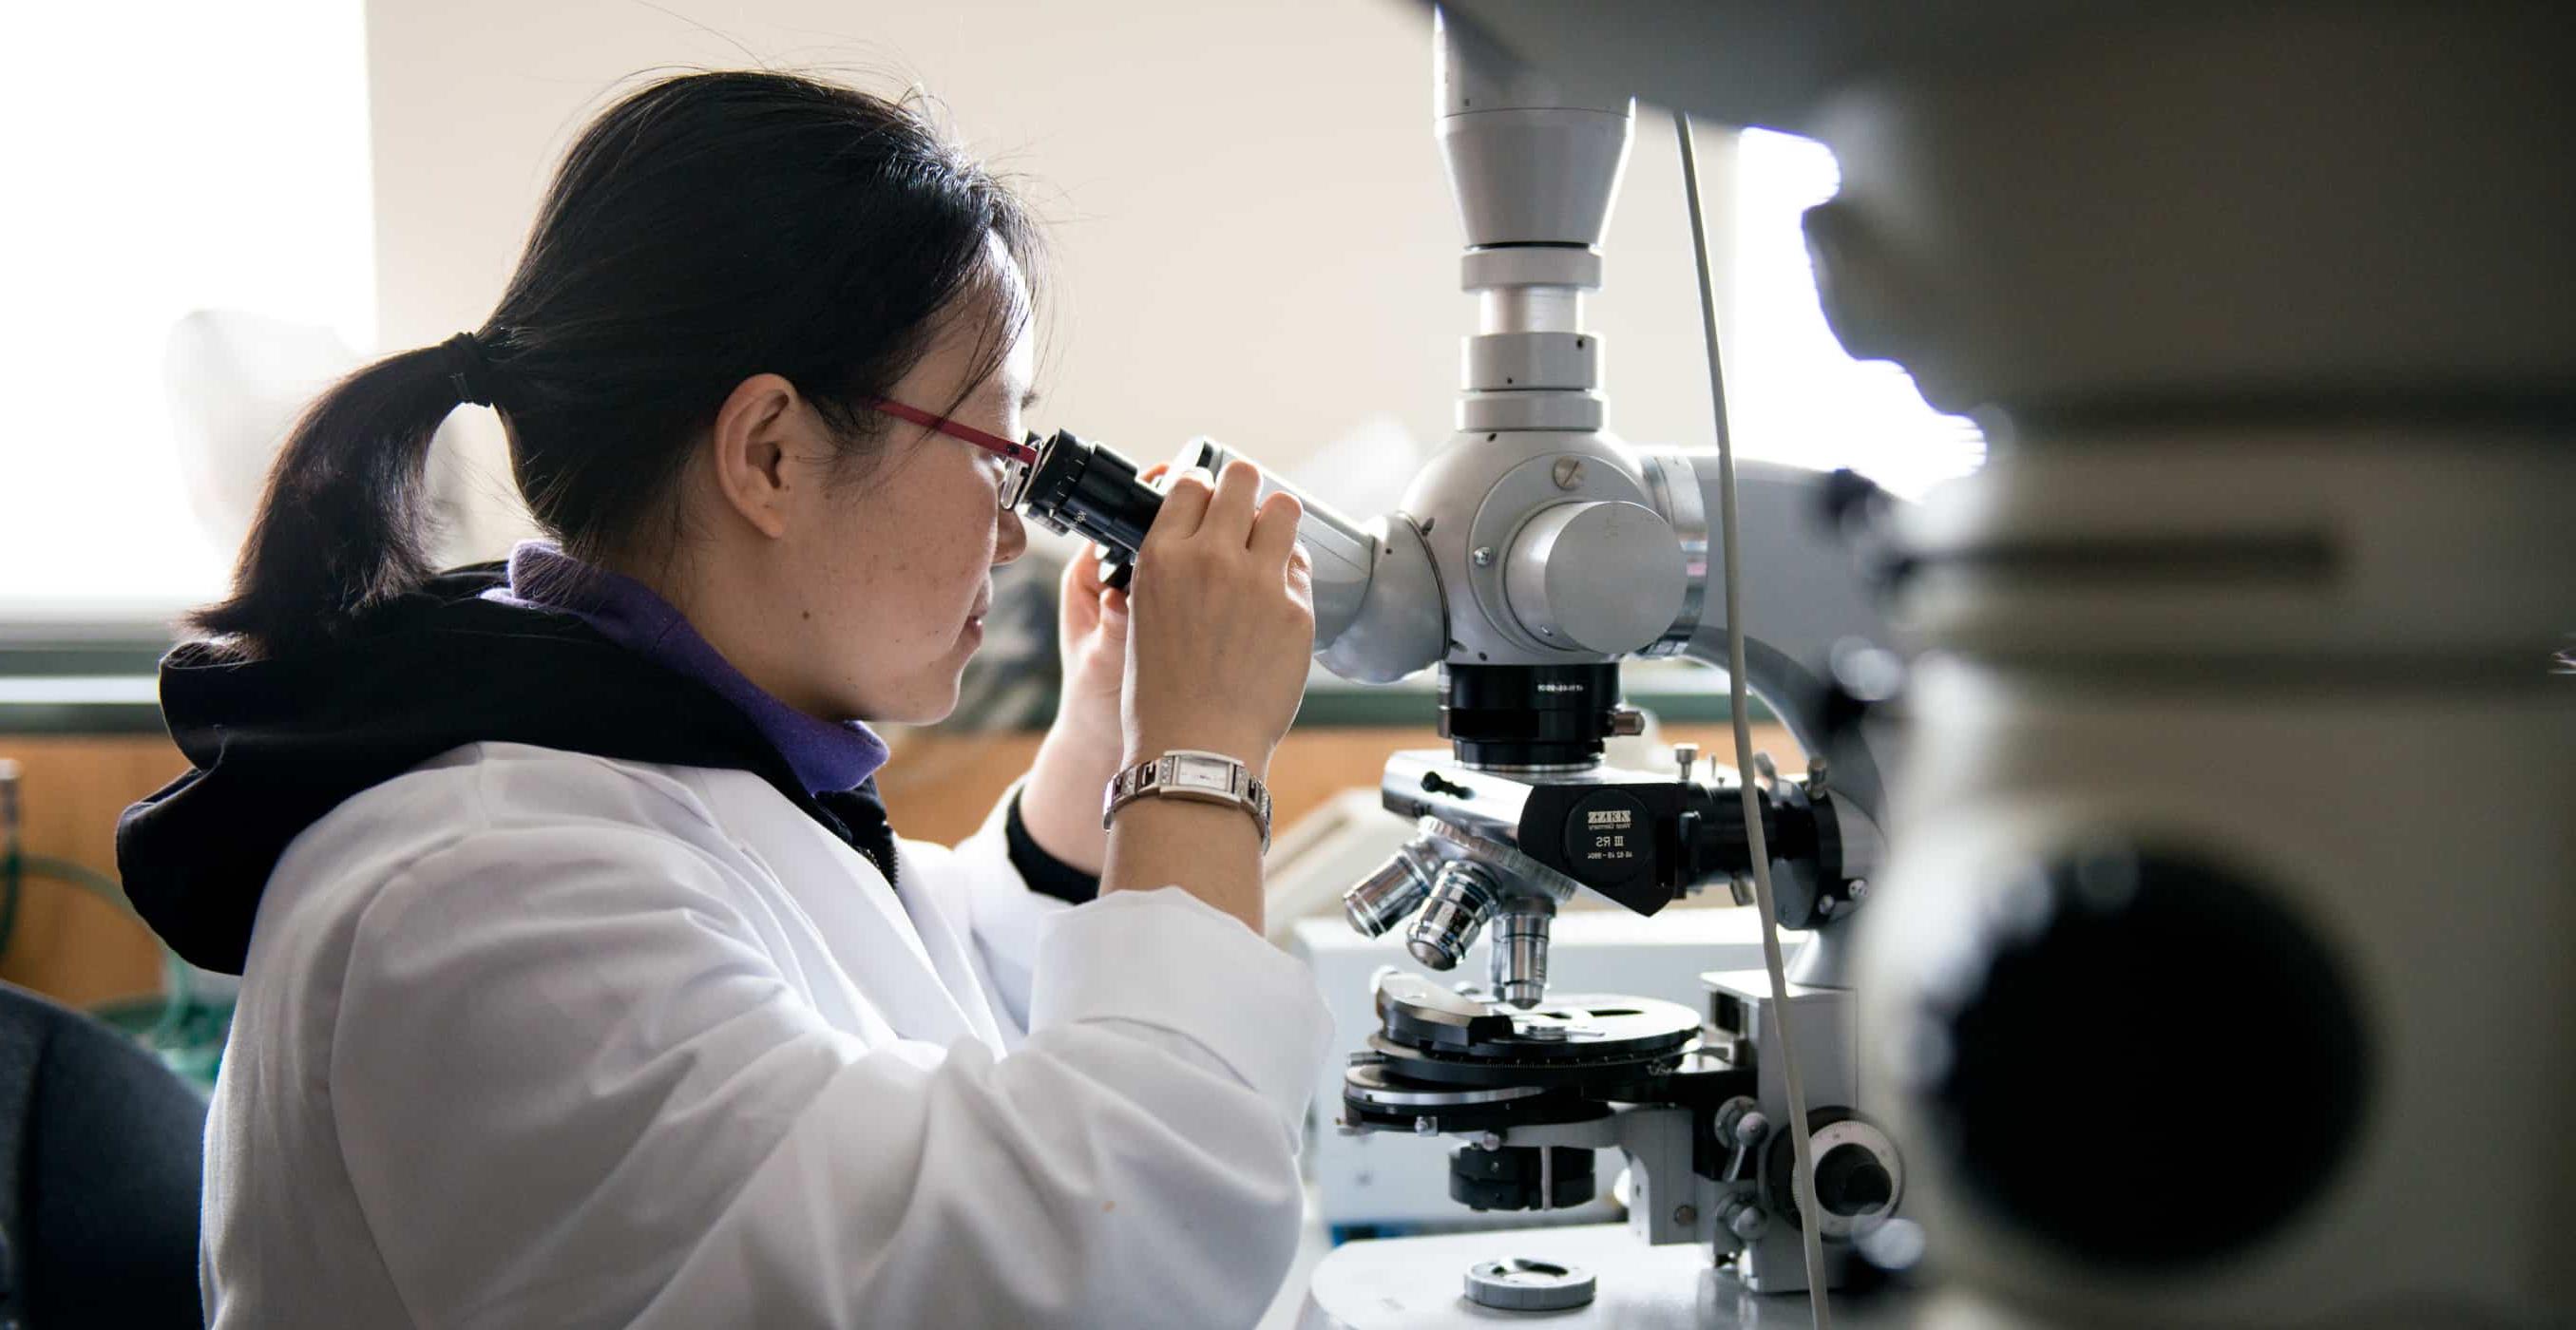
(531, 1038)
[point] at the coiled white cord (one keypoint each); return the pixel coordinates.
(1805, 1181)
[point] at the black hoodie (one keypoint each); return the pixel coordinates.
(279, 743)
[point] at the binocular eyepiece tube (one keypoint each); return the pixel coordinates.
(1077, 487)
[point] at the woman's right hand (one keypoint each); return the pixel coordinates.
(1221, 621)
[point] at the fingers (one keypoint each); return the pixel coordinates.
(1274, 528)
(1082, 573)
(1184, 508)
(1229, 513)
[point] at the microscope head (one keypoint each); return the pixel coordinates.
(1530, 160)
(1534, 167)
(1536, 552)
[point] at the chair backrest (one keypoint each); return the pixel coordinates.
(102, 1156)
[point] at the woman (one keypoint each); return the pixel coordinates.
(584, 984)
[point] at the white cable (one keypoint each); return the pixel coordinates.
(1804, 1150)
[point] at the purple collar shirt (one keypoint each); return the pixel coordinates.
(826, 756)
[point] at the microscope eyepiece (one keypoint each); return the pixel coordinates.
(1081, 488)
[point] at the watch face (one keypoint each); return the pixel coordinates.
(1200, 774)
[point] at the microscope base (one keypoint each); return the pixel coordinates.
(1418, 1284)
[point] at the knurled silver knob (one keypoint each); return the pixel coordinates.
(1523, 1285)
(1745, 1219)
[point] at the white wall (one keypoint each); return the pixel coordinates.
(1255, 238)
(164, 157)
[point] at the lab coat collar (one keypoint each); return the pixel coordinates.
(277, 743)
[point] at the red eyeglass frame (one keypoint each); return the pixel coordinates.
(1021, 453)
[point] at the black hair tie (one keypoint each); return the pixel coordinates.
(467, 369)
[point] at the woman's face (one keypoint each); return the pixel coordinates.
(868, 581)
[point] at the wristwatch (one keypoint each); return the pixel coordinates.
(1188, 773)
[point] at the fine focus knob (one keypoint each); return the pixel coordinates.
(2104, 983)
(1851, 1181)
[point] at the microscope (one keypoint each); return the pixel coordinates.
(2218, 975)
(1529, 557)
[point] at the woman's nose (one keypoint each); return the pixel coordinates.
(1011, 538)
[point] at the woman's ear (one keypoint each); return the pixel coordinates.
(753, 449)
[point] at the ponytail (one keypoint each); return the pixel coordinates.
(706, 228)
(343, 527)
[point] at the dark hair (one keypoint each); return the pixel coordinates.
(705, 229)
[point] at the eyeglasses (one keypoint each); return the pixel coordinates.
(1017, 458)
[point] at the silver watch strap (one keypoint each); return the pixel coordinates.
(1190, 773)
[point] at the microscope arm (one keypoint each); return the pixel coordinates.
(1806, 610)
(1804, 605)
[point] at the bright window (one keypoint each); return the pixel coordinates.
(164, 157)
(1792, 393)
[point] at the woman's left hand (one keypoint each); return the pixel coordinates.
(1060, 804)
(1091, 636)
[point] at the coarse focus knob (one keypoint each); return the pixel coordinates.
(1601, 576)
(2049, 1052)
(1851, 1181)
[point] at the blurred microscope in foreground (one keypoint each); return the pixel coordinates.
(2198, 989)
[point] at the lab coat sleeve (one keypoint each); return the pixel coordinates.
(985, 896)
(573, 1085)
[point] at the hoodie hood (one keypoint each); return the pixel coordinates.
(277, 744)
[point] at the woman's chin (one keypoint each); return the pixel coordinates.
(935, 702)
(928, 702)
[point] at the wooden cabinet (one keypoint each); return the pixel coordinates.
(76, 946)
(70, 943)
